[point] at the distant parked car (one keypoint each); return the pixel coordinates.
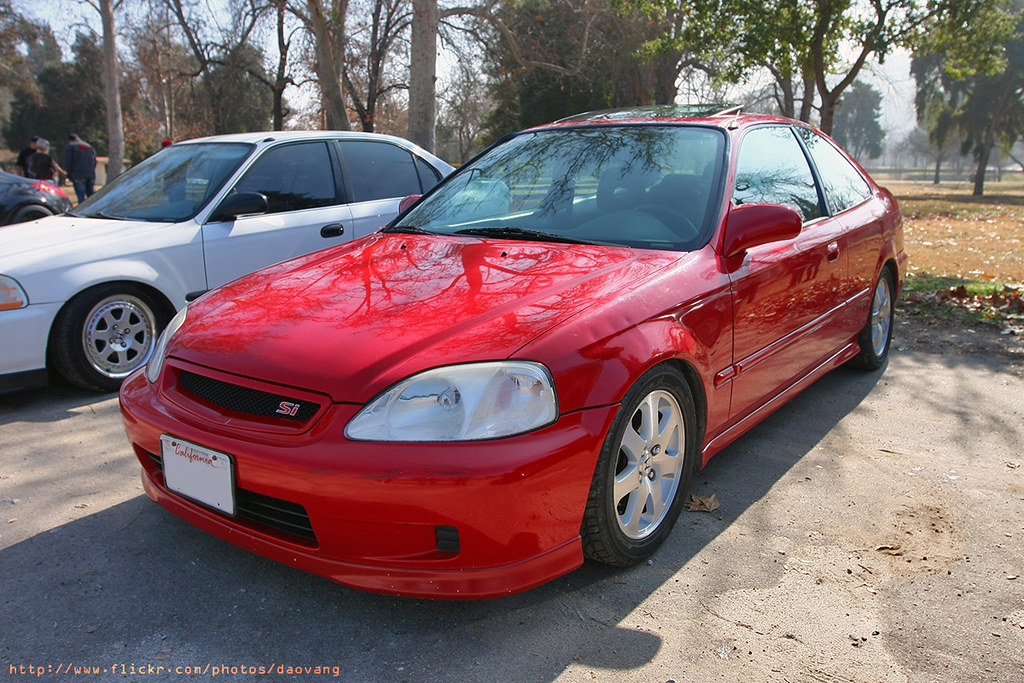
(87, 293)
(527, 367)
(25, 199)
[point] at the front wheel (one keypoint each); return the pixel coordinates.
(876, 337)
(643, 471)
(104, 334)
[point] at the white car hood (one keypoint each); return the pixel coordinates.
(52, 258)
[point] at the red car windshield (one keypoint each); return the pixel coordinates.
(656, 187)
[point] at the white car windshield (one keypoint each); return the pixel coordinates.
(170, 186)
(655, 187)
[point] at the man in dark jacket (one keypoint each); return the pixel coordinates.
(80, 163)
(24, 154)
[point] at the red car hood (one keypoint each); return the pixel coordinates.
(351, 321)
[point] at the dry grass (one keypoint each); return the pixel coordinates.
(951, 234)
(966, 254)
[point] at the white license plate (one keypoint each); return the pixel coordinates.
(198, 473)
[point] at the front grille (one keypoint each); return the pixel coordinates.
(240, 399)
(281, 515)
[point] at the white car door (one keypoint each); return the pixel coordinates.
(380, 174)
(305, 213)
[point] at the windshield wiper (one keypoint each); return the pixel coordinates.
(514, 233)
(100, 214)
(407, 230)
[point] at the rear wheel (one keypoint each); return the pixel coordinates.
(876, 337)
(30, 213)
(104, 334)
(643, 472)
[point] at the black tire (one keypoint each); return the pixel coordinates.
(30, 213)
(876, 337)
(624, 523)
(105, 333)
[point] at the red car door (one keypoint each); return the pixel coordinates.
(788, 296)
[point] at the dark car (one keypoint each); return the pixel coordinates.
(25, 199)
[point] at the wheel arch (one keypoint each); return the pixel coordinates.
(700, 399)
(604, 370)
(167, 308)
(28, 204)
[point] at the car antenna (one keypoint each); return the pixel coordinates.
(735, 111)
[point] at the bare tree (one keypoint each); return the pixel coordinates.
(372, 45)
(218, 52)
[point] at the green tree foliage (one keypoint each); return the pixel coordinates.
(64, 97)
(856, 123)
(971, 80)
(25, 48)
(814, 49)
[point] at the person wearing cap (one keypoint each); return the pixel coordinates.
(24, 154)
(41, 165)
(80, 162)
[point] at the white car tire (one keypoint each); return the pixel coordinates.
(104, 334)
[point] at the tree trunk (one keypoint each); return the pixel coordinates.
(807, 101)
(988, 142)
(829, 102)
(423, 74)
(281, 78)
(112, 93)
(938, 167)
(329, 45)
(787, 104)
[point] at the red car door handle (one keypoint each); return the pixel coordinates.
(833, 252)
(332, 230)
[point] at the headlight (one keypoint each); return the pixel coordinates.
(460, 403)
(11, 294)
(156, 361)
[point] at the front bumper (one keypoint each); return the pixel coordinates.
(24, 335)
(383, 517)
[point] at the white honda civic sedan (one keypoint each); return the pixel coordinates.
(86, 294)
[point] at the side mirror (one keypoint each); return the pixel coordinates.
(239, 204)
(407, 202)
(751, 225)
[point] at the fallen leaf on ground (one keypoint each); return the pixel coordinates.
(887, 547)
(702, 504)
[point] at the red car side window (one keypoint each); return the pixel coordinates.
(773, 169)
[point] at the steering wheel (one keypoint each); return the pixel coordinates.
(672, 218)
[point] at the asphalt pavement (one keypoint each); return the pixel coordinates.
(871, 530)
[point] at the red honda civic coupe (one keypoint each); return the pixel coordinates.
(526, 367)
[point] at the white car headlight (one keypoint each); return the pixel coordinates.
(11, 294)
(156, 361)
(460, 403)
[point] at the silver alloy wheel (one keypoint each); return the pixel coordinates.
(650, 461)
(881, 316)
(118, 335)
